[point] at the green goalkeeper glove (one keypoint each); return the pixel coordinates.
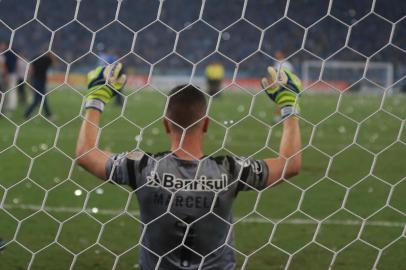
(283, 90)
(103, 85)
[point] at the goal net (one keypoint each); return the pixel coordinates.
(344, 210)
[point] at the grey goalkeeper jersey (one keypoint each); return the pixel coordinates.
(185, 206)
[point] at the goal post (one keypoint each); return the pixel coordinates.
(344, 74)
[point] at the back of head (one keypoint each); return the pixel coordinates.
(187, 105)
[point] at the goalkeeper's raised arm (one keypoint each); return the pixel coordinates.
(283, 87)
(103, 85)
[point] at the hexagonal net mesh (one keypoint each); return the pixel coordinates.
(344, 210)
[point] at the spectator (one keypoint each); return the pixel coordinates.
(39, 73)
(10, 78)
(214, 76)
(21, 69)
(156, 44)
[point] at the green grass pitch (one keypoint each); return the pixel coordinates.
(354, 163)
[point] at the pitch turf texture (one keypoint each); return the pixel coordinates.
(339, 172)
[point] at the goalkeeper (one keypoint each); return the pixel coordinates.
(197, 190)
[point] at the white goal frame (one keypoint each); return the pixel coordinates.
(308, 79)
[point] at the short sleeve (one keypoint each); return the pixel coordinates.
(251, 173)
(123, 168)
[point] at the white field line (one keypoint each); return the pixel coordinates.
(114, 212)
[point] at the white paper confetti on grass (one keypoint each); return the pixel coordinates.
(150, 142)
(228, 122)
(342, 129)
(155, 131)
(373, 137)
(262, 114)
(43, 146)
(349, 110)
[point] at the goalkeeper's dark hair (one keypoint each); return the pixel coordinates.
(187, 105)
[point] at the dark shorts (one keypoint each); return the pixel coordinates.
(214, 86)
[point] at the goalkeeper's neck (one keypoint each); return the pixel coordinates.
(187, 144)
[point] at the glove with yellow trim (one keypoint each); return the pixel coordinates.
(103, 85)
(283, 89)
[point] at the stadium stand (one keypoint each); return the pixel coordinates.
(280, 34)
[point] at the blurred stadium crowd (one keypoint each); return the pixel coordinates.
(370, 32)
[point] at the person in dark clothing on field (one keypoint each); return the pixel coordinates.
(21, 89)
(39, 72)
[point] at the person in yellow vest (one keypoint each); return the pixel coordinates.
(214, 75)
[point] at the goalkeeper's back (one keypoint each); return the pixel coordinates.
(186, 198)
(186, 202)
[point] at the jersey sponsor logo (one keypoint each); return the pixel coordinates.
(202, 183)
